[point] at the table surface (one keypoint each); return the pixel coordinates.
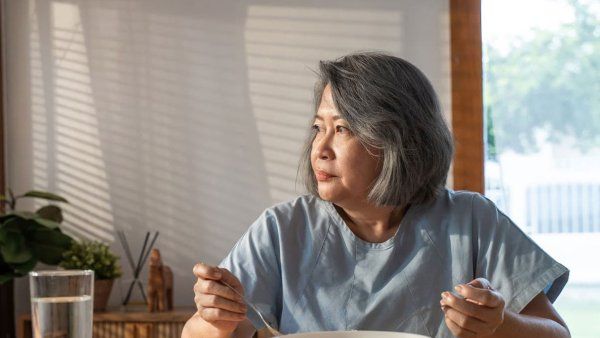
(172, 320)
(116, 314)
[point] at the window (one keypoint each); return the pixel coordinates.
(542, 136)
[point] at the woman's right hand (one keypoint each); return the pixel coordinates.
(217, 304)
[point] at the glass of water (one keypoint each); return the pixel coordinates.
(62, 303)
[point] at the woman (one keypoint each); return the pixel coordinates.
(379, 243)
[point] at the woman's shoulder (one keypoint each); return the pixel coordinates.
(461, 200)
(453, 201)
(458, 210)
(299, 202)
(299, 215)
(300, 206)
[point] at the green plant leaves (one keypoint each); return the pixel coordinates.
(48, 245)
(31, 217)
(6, 217)
(23, 268)
(47, 223)
(50, 212)
(22, 239)
(25, 214)
(12, 238)
(92, 255)
(14, 249)
(28, 237)
(6, 277)
(44, 195)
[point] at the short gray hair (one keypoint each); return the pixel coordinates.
(390, 105)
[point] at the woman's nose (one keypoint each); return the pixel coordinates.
(323, 148)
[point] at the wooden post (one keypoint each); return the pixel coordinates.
(2, 134)
(467, 94)
(7, 302)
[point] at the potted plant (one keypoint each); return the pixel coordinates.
(94, 255)
(27, 238)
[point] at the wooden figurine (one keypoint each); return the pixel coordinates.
(160, 284)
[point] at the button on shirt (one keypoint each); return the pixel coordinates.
(307, 271)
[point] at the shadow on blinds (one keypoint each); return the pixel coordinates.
(186, 123)
(282, 46)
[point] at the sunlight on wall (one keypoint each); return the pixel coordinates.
(67, 143)
(281, 44)
(186, 118)
(177, 133)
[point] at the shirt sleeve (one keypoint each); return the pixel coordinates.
(513, 263)
(254, 260)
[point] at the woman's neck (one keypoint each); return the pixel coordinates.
(372, 223)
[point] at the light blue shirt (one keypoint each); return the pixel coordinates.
(307, 271)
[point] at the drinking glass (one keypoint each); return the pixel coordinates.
(62, 303)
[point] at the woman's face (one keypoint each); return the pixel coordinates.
(342, 166)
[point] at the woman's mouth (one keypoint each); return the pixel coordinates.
(322, 176)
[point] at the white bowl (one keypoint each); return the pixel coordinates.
(353, 334)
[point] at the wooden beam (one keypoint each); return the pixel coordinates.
(7, 305)
(467, 94)
(2, 133)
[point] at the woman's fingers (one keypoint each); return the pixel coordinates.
(457, 330)
(205, 271)
(232, 280)
(213, 301)
(467, 307)
(481, 311)
(211, 314)
(467, 322)
(481, 283)
(486, 297)
(212, 287)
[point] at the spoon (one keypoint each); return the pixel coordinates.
(269, 327)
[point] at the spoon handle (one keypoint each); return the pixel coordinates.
(269, 327)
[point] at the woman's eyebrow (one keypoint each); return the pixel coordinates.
(335, 117)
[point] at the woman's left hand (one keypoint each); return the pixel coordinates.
(479, 314)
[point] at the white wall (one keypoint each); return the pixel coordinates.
(183, 116)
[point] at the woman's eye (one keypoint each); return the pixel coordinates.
(316, 128)
(341, 129)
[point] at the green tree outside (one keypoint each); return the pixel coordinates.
(550, 82)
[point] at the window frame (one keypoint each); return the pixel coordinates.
(467, 95)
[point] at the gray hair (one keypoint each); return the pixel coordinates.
(389, 105)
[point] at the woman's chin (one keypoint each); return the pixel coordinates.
(328, 195)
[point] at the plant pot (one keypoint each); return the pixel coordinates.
(7, 308)
(102, 288)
